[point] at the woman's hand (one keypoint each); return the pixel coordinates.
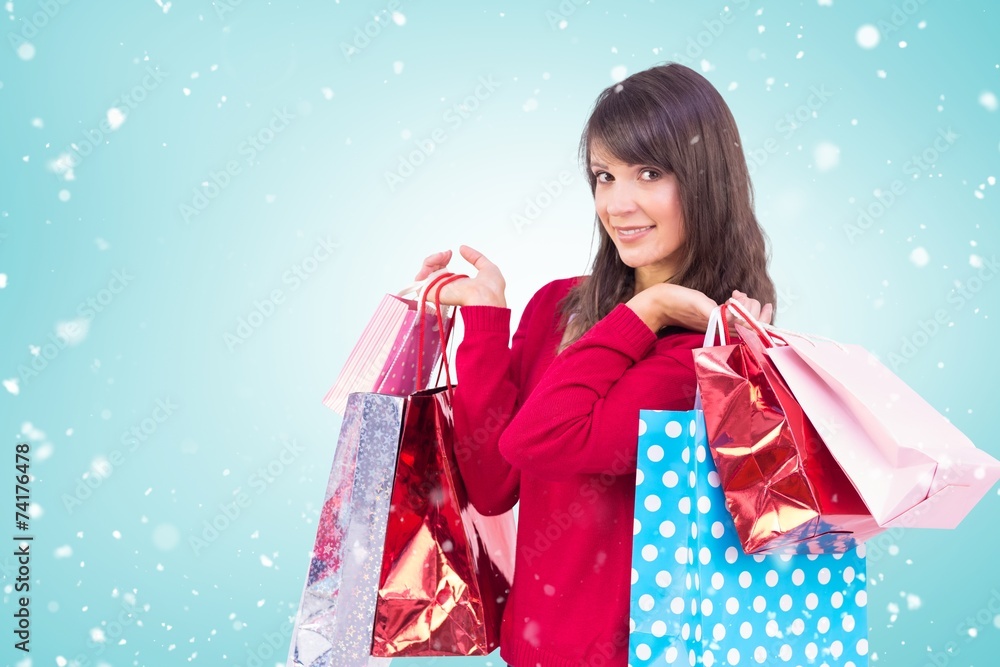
(486, 288)
(666, 304)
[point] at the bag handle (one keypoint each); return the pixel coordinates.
(443, 279)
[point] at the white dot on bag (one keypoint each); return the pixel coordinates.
(717, 529)
(785, 602)
(673, 429)
(759, 557)
(670, 479)
(862, 646)
(719, 632)
(836, 648)
(704, 504)
(690, 558)
(677, 605)
(706, 607)
(649, 553)
(731, 555)
(823, 625)
(692, 427)
(659, 628)
(681, 555)
(652, 503)
(811, 601)
(708, 658)
(745, 579)
(771, 628)
(824, 576)
(785, 652)
(694, 609)
(837, 599)
(631, 625)
(635, 576)
(811, 651)
(713, 479)
(639, 477)
(646, 602)
(746, 629)
(642, 426)
(848, 622)
(848, 574)
(667, 528)
(759, 604)
(733, 657)
(663, 578)
(732, 606)
(694, 530)
(684, 505)
(654, 453)
(861, 550)
(760, 654)
(636, 527)
(686, 455)
(692, 479)
(705, 555)
(671, 655)
(798, 577)
(798, 626)
(718, 581)
(771, 578)
(861, 599)
(643, 652)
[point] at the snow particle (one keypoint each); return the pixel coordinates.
(867, 36)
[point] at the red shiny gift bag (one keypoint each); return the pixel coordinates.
(446, 569)
(785, 491)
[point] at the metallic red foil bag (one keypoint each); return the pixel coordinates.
(446, 569)
(784, 489)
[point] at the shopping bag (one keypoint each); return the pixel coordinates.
(333, 625)
(446, 569)
(385, 358)
(697, 598)
(912, 466)
(784, 489)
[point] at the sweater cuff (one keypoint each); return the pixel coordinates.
(635, 338)
(486, 318)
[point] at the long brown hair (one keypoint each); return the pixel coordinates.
(672, 118)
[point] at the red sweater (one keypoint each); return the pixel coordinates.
(560, 434)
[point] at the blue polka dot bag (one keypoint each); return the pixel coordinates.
(698, 599)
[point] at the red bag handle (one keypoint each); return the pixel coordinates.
(767, 338)
(443, 279)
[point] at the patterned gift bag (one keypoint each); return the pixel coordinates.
(698, 598)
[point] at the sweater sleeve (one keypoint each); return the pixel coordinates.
(583, 415)
(484, 402)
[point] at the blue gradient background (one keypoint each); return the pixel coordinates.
(323, 175)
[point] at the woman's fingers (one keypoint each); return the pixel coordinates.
(766, 313)
(435, 262)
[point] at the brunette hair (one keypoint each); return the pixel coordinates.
(672, 118)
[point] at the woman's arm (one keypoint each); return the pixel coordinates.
(485, 401)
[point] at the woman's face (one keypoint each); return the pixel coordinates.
(643, 198)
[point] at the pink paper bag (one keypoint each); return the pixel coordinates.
(384, 360)
(912, 467)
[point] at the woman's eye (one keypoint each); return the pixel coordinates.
(651, 171)
(601, 173)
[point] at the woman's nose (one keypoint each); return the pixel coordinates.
(620, 201)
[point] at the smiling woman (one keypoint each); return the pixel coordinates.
(678, 234)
